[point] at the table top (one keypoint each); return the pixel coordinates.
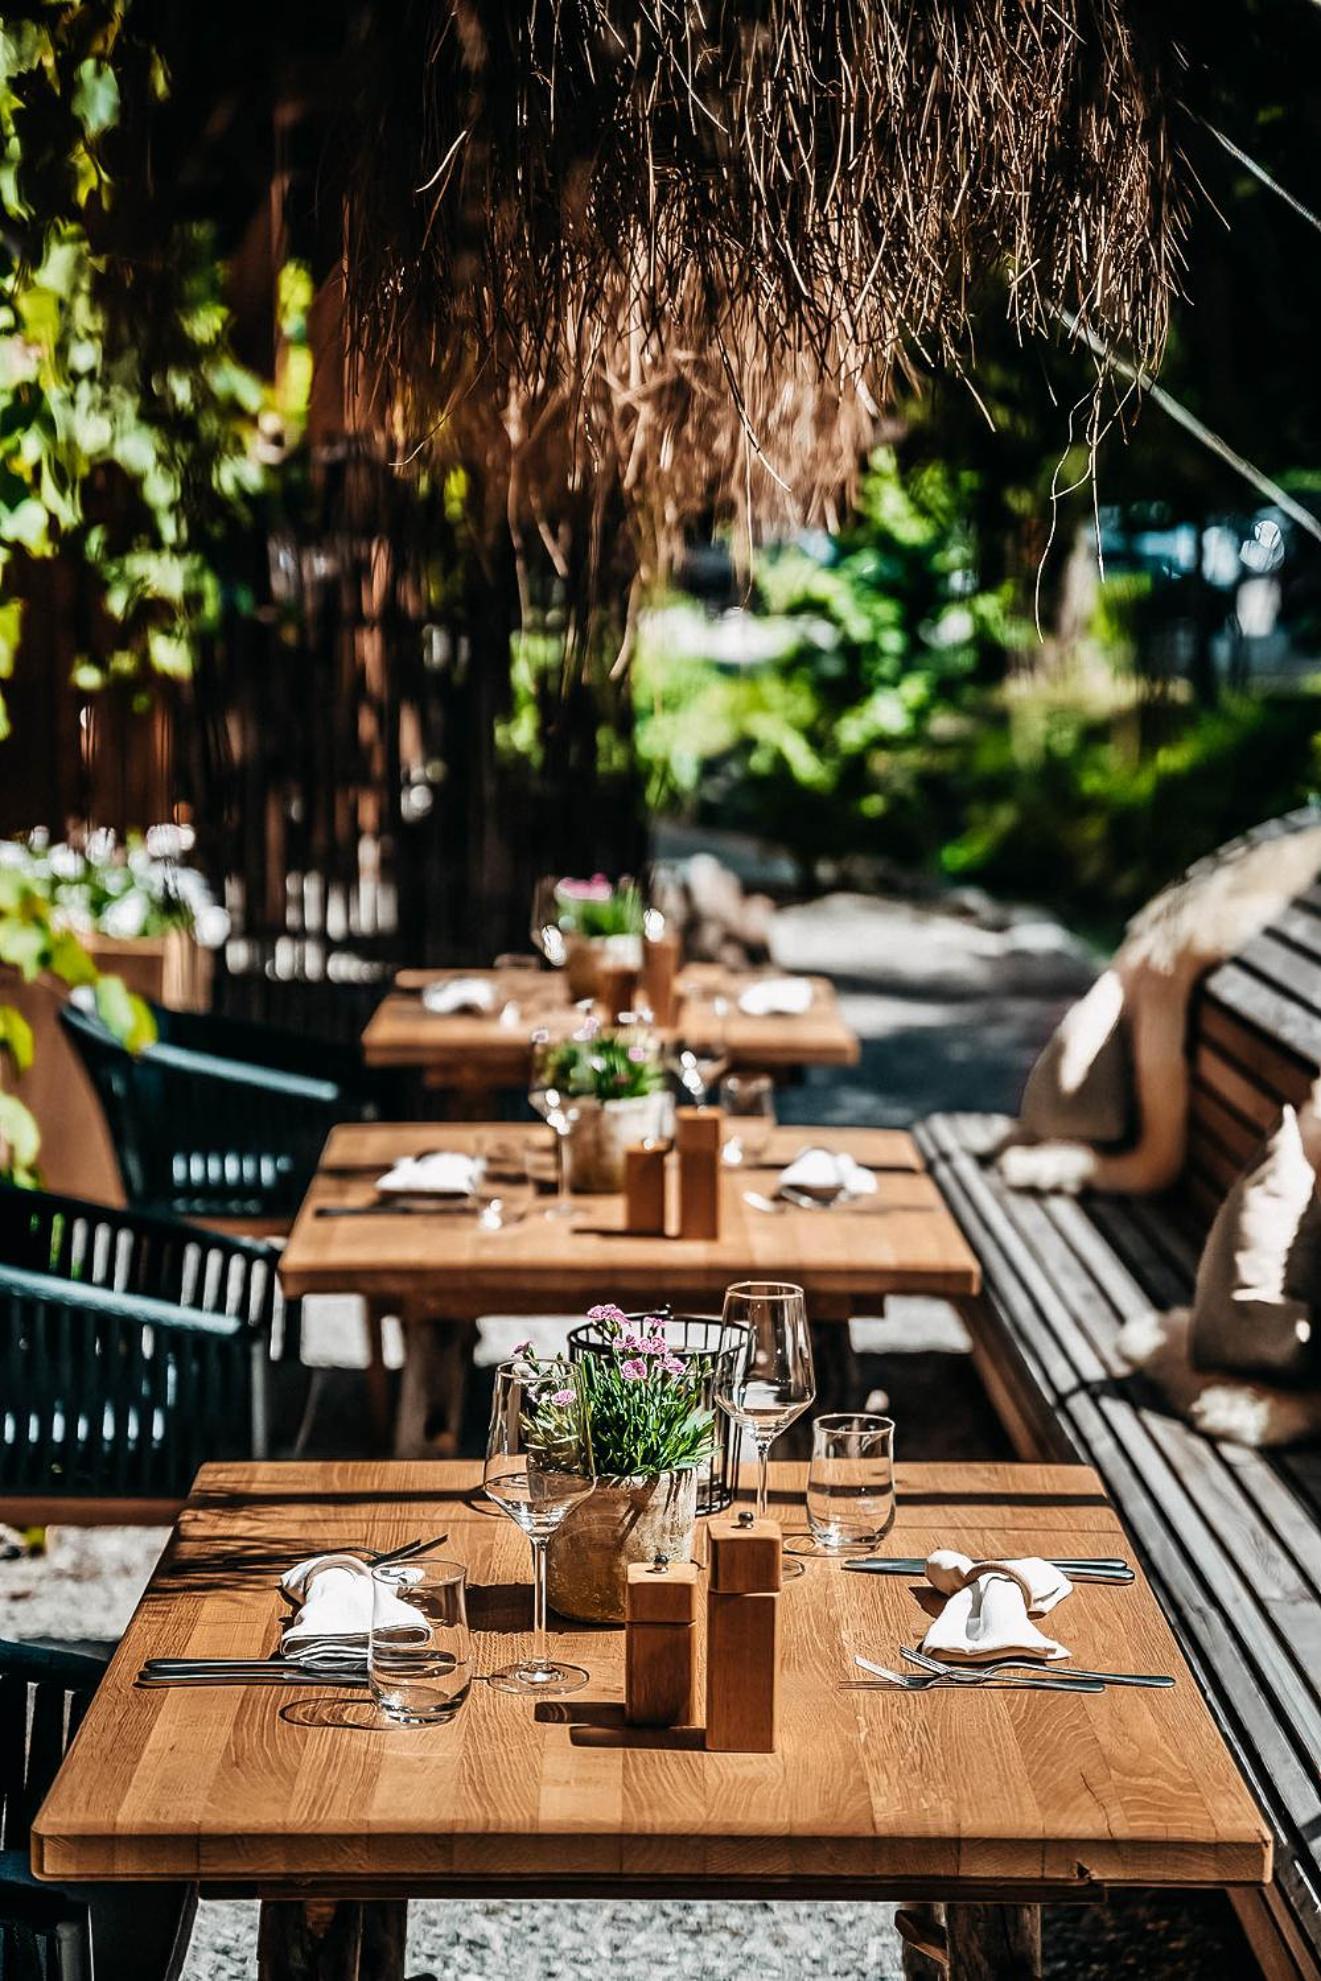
(871, 1789)
(493, 1049)
(902, 1240)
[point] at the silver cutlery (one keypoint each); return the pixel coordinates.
(1078, 1570)
(149, 1679)
(442, 1207)
(975, 1680)
(1155, 1680)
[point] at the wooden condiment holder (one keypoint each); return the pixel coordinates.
(644, 1189)
(660, 1644)
(660, 970)
(743, 1634)
(698, 1136)
(617, 989)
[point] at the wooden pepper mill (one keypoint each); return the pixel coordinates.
(660, 968)
(644, 1189)
(743, 1634)
(660, 1643)
(698, 1135)
(617, 989)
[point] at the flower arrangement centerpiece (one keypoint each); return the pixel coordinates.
(651, 1433)
(599, 920)
(129, 890)
(612, 1094)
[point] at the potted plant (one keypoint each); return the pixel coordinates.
(611, 1089)
(598, 920)
(651, 1436)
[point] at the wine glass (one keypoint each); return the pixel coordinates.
(748, 1103)
(547, 935)
(539, 1466)
(774, 1382)
(559, 1112)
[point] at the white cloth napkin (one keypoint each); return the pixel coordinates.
(776, 997)
(331, 1626)
(824, 1174)
(444, 1173)
(990, 1606)
(457, 994)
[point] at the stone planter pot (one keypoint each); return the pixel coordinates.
(595, 1145)
(625, 1520)
(584, 955)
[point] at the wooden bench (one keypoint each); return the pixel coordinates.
(1231, 1538)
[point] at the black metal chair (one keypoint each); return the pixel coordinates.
(66, 1932)
(131, 1349)
(220, 1118)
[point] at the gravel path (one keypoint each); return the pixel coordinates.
(950, 1013)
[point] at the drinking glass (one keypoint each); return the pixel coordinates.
(419, 1651)
(559, 1112)
(748, 1101)
(772, 1385)
(503, 1186)
(538, 1468)
(547, 936)
(850, 1481)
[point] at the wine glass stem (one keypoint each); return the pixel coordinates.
(539, 1645)
(562, 1170)
(763, 1477)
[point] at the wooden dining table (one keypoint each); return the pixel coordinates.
(486, 1051)
(973, 1806)
(441, 1269)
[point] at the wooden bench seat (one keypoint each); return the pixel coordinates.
(1231, 1538)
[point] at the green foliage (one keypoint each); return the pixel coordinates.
(875, 646)
(610, 1066)
(125, 422)
(595, 908)
(643, 1404)
(33, 942)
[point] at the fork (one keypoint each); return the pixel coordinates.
(1157, 1680)
(953, 1682)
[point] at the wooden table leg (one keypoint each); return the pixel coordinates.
(379, 1415)
(332, 1940)
(434, 1387)
(922, 1930)
(994, 1942)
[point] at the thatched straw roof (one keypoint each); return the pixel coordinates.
(666, 256)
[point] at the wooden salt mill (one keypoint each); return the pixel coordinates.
(644, 1188)
(617, 989)
(660, 1643)
(660, 967)
(698, 1135)
(743, 1634)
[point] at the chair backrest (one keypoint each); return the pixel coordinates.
(131, 1349)
(133, 1253)
(201, 1132)
(43, 1697)
(1254, 1044)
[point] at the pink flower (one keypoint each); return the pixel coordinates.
(654, 1344)
(597, 888)
(523, 1348)
(607, 1311)
(565, 1396)
(673, 1366)
(634, 1370)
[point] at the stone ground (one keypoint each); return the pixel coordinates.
(951, 1012)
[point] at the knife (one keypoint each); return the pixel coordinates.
(1107, 1569)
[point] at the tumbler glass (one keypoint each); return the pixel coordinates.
(850, 1482)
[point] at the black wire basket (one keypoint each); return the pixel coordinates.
(721, 1347)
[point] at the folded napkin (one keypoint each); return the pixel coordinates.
(444, 1173)
(776, 997)
(821, 1173)
(990, 1605)
(455, 994)
(334, 1617)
